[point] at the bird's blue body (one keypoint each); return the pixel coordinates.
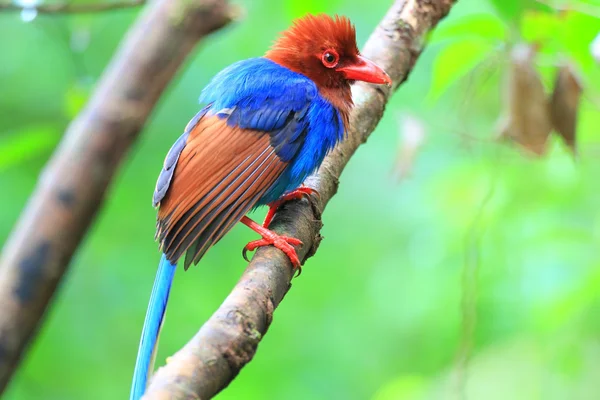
(266, 96)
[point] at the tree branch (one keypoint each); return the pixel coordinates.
(228, 340)
(69, 8)
(71, 189)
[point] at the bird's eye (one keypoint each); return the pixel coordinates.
(330, 58)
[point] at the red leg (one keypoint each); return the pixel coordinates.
(293, 195)
(283, 243)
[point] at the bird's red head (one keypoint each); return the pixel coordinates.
(324, 49)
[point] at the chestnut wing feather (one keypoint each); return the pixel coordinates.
(166, 174)
(218, 176)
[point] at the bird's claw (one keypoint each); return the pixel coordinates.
(306, 191)
(309, 192)
(296, 194)
(283, 243)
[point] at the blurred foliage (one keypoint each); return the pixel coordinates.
(475, 277)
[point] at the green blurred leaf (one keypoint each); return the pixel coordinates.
(511, 10)
(409, 387)
(485, 26)
(75, 98)
(508, 9)
(454, 61)
(27, 144)
(299, 8)
(539, 26)
(575, 302)
(579, 31)
(518, 364)
(565, 35)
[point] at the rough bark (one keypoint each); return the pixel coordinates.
(228, 340)
(71, 189)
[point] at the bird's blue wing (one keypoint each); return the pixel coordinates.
(261, 95)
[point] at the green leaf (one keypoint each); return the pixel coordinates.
(27, 144)
(508, 9)
(565, 35)
(576, 301)
(454, 61)
(484, 26)
(406, 387)
(539, 26)
(299, 8)
(511, 10)
(75, 99)
(579, 31)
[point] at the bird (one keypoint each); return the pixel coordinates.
(268, 122)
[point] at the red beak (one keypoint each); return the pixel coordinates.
(366, 71)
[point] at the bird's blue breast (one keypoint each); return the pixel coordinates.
(262, 95)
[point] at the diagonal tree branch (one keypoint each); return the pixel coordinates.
(228, 340)
(71, 189)
(72, 8)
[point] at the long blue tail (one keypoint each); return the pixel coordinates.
(152, 324)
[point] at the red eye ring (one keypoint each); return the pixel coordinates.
(330, 58)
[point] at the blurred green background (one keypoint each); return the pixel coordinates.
(477, 276)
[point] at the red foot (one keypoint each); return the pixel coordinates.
(283, 243)
(293, 195)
